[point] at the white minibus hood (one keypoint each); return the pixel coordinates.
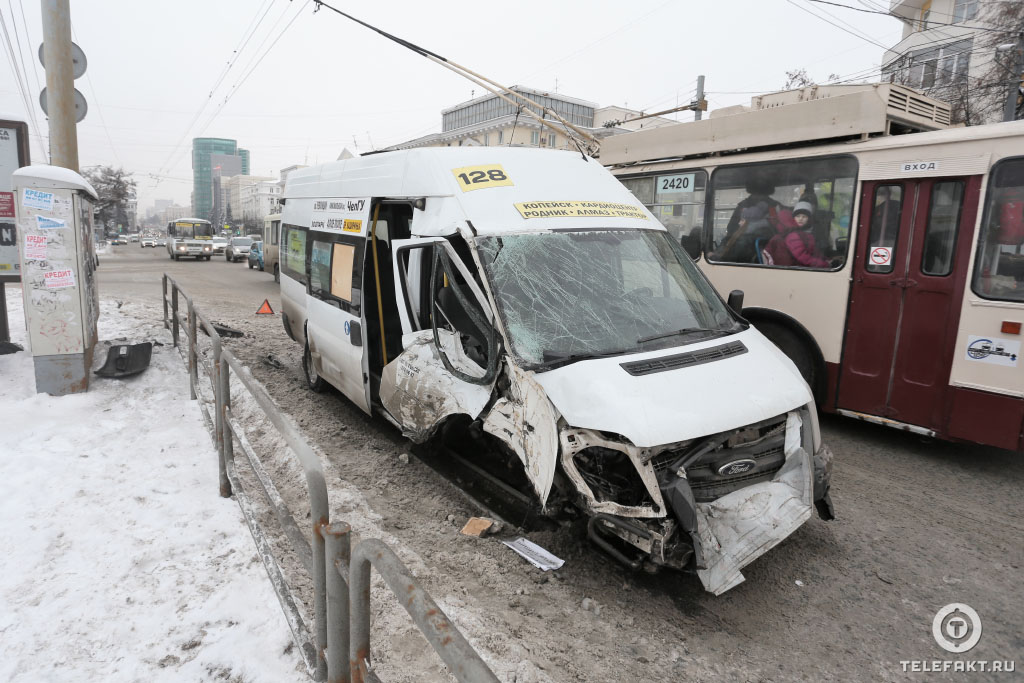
(670, 406)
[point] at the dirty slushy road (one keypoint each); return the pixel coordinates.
(920, 524)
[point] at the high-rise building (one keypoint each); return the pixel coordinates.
(208, 153)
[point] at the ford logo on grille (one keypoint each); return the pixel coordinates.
(736, 467)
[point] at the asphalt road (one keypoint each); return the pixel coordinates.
(921, 524)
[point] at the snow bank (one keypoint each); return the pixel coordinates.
(122, 562)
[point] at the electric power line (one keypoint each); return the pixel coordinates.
(896, 16)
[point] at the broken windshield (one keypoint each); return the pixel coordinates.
(574, 295)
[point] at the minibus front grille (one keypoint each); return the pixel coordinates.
(684, 360)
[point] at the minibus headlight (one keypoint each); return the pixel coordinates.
(206, 249)
(181, 248)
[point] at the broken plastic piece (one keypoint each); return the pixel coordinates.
(125, 360)
(225, 331)
(534, 554)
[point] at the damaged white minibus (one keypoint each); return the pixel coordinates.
(524, 306)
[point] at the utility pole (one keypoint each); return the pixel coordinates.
(60, 90)
(698, 112)
(1013, 92)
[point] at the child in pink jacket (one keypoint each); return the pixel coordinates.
(794, 246)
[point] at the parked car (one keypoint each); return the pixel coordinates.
(237, 249)
(148, 242)
(219, 244)
(255, 257)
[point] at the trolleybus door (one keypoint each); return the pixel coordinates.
(910, 266)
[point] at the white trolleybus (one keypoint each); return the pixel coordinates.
(878, 247)
(190, 237)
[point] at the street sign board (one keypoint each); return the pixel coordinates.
(78, 61)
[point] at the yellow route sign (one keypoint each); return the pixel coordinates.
(481, 177)
(579, 210)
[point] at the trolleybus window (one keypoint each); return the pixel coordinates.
(754, 203)
(677, 199)
(884, 231)
(940, 233)
(999, 270)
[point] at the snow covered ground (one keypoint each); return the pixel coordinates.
(120, 560)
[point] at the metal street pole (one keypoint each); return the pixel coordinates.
(60, 89)
(698, 112)
(1013, 92)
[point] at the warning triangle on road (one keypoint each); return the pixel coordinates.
(265, 309)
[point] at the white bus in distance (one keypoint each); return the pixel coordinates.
(522, 308)
(190, 237)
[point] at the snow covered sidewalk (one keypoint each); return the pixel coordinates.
(120, 560)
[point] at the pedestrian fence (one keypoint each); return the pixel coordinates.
(336, 646)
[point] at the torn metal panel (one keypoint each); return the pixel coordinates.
(741, 526)
(419, 392)
(527, 422)
(576, 440)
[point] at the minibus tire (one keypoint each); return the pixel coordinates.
(316, 383)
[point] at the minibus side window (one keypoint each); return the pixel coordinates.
(275, 228)
(293, 262)
(999, 268)
(334, 272)
(454, 307)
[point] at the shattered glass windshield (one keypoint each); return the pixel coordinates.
(573, 295)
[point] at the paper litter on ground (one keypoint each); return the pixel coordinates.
(534, 554)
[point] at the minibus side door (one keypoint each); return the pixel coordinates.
(334, 327)
(419, 388)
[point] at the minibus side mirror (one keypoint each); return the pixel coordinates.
(736, 301)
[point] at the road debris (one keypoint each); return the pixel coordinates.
(534, 554)
(477, 526)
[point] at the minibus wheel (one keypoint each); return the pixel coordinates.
(313, 380)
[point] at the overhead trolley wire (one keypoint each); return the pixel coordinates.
(896, 16)
(230, 64)
(485, 83)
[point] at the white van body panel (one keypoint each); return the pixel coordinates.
(562, 177)
(682, 404)
(528, 423)
(419, 392)
(328, 333)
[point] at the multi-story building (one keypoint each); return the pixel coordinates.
(207, 155)
(234, 193)
(173, 212)
(259, 200)
(490, 120)
(946, 51)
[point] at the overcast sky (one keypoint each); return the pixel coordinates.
(303, 93)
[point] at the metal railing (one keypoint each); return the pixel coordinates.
(340, 573)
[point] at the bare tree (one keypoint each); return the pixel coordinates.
(799, 78)
(976, 98)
